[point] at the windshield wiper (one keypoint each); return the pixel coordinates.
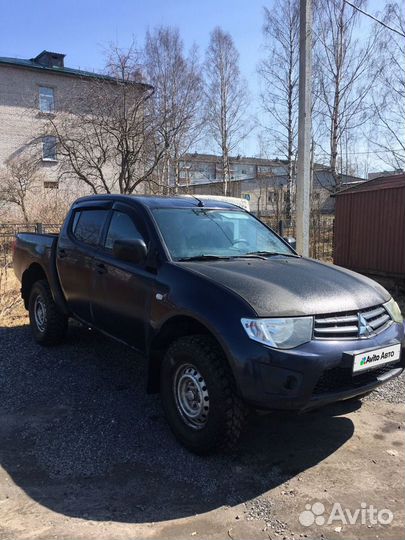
(271, 253)
(256, 255)
(204, 258)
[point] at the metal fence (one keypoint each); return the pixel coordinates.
(321, 234)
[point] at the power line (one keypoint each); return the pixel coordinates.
(365, 152)
(375, 19)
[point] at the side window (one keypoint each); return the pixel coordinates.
(121, 227)
(87, 225)
(46, 99)
(49, 148)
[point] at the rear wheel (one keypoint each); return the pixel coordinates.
(199, 396)
(48, 323)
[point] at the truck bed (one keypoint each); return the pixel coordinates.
(33, 247)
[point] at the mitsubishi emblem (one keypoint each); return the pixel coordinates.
(365, 329)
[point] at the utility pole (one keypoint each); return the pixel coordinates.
(304, 129)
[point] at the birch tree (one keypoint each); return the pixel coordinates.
(342, 69)
(388, 132)
(177, 100)
(226, 98)
(279, 76)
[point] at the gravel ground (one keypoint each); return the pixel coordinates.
(80, 436)
(392, 391)
(86, 415)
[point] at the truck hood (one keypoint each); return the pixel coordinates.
(288, 286)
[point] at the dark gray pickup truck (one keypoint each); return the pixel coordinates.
(228, 315)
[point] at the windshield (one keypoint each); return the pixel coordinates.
(202, 232)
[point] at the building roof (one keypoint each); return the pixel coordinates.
(373, 175)
(33, 63)
(322, 179)
(238, 159)
(382, 182)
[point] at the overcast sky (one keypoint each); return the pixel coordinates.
(82, 29)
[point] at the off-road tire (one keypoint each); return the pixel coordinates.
(55, 323)
(227, 412)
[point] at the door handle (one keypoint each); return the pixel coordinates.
(61, 253)
(101, 268)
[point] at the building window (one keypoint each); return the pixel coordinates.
(49, 149)
(46, 99)
(51, 185)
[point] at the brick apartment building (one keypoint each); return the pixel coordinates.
(31, 91)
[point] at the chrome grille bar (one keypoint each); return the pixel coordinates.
(374, 313)
(347, 325)
(338, 330)
(338, 320)
(377, 323)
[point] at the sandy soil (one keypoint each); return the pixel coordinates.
(85, 454)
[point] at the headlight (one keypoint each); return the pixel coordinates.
(393, 309)
(283, 333)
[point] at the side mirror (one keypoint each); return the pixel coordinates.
(290, 240)
(130, 250)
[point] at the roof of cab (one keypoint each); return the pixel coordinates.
(159, 201)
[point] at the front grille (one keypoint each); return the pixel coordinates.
(340, 379)
(352, 324)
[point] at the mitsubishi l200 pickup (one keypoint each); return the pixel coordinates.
(228, 316)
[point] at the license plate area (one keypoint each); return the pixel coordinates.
(368, 360)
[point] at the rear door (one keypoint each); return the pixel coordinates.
(75, 253)
(122, 290)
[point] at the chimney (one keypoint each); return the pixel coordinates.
(49, 59)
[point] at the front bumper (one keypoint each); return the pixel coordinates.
(312, 375)
(375, 379)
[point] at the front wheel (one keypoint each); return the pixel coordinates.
(47, 322)
(199, 396)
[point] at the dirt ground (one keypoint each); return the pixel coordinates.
(85, 454)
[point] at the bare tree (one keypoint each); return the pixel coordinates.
(226, 98)
(177, 101)
(388, 97)
(279, 75)
(342, 68)
(106, 131)
(18, 180)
